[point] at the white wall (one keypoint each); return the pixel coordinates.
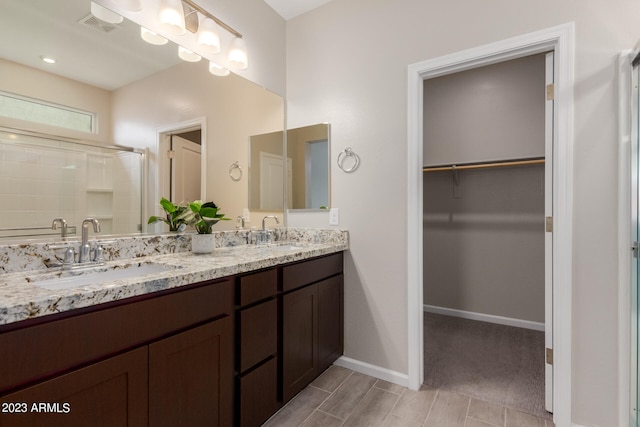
(347, 64)
(233, 109)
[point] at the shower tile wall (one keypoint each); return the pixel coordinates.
(40, 183)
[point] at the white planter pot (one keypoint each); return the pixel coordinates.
(202, 243)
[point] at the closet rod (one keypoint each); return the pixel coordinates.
(523, 162)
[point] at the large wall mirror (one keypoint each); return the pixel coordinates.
(306, 171)
(142, 95)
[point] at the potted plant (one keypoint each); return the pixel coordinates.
(177, 217)
(205, 215)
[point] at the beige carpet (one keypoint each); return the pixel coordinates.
(494, 363)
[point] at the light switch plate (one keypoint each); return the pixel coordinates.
(334, 216)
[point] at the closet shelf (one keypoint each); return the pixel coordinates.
(519, 162)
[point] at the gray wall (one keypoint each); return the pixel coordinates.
(484, 241)
(505, 101)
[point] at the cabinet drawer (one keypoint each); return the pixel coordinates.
(259, 394)
(258, 286)
(258, 333)
(306, 272)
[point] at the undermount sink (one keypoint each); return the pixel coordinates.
(99, 275)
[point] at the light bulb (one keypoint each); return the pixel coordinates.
(171, 17)
(151, 37)
(237, 56)
(217, 70)
(130, 5)
(104, 14)
(187, 55)
(208, 36)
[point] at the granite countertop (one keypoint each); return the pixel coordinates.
(21, 299)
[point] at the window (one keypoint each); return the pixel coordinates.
(37, 111)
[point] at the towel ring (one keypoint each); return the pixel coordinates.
(343, 156)
(235, 171)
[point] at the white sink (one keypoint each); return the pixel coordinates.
(100, 275)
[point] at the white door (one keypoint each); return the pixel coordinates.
(185, 170)
(272, 180)
(548, 245)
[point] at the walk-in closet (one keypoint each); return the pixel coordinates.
(486, 249)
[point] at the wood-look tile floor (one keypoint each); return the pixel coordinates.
(341, 397)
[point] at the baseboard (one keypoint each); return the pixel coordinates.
(508, 321)
(373, 371)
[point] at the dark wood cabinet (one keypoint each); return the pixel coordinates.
(162, 359)
(110, 393)
(312, 321)
(191, 376)
(299, 340)
(257, 396)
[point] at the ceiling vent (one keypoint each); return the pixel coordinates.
(98, 25)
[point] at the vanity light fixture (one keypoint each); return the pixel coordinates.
(186, 55)
(208, 37)
(151, 37)
(104, 14)
(237, 56)
(171, 17)
(130, 5)
(218, 70)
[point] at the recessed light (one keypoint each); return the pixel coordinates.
(48, 59)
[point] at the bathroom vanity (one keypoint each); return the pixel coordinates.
(225, 339)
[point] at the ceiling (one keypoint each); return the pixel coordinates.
(106, 60)
(30, 29)
(291, 8)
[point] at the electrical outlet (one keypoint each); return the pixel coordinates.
(334, 216)
(247, 215)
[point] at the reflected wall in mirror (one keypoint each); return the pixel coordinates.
(307, 169)
(308, 149)
(160, 92)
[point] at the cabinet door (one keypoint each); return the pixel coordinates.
(191, 377)
(299, 340)
(330, 321)
(109, 393)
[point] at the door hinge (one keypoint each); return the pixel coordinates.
(171, 154)
(548, 224)
(634, 249)
(549, 356)
(550, 92)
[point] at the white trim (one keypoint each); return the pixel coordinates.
(482, 317)
(560, 39)
(373, 370)
(624, 237)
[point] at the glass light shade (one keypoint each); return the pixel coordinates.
(171, 17)
(187, 55)
(237, 56)
(104, 14)
(208, 37)
(218, 70)
(151, 37)
(130, 5)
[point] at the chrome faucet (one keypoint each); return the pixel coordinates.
(63, 226)
(265, 218)
(85, 249)
(240, 220)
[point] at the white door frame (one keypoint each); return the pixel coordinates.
(559, 39)
(625, 152)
